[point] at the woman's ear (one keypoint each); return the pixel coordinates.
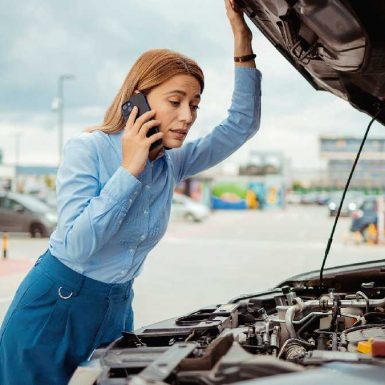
(136, 92)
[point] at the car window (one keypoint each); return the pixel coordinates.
(12, 204)
(2, 202)
(369, 206)
(32, 203)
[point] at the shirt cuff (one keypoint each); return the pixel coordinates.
(123, 186)
(247, 80)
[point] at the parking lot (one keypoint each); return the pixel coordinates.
(229, 254)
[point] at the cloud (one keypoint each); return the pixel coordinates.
(98, 42)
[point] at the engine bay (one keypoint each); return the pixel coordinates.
(291, 328)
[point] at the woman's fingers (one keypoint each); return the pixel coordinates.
(231, 6)
(131, 118)
(143, 119)
(153, 138)
(236, 19)
(147, 126)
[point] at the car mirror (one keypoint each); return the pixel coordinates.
(19, 208)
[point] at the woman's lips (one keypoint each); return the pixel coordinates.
(179, 134)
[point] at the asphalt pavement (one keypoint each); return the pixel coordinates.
(231, 253)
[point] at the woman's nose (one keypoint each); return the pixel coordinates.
(186, 114)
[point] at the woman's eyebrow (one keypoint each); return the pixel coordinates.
(197, 96)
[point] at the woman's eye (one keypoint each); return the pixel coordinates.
(176, 103)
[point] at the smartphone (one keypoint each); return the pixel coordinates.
(139, 100)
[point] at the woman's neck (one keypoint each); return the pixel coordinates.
(155, 152)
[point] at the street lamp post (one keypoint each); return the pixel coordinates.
(60, 110)
(17, 158)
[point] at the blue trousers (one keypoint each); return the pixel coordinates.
(56, 320)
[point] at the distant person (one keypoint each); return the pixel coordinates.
(114, 197)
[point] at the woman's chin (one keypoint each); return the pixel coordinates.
(172, 143)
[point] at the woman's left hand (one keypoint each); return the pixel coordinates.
(237, 20)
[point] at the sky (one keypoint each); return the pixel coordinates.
(98, 41)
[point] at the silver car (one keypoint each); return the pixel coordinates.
(25, 213)
(185, 208)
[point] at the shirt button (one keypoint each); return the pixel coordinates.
(147, 186)
(131, 250)
(143, 237)
(123, 272)
(130, 200)
(145, 212)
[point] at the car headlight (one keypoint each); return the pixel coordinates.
(51, 217)
(332, 206)
(352, 206)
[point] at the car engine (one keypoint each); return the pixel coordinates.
(292, 328)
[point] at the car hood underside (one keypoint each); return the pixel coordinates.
(337, 45)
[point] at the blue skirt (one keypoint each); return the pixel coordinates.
(56, 320)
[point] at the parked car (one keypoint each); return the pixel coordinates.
(323, 198)
(309, 198)
(364, 216)
(185, 208)
(351, 203)
(25, 213)
(49, 199)
(293, 197)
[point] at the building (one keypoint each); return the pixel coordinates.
(28, 179)
(340, 152)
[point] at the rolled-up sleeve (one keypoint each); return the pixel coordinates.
(241, 124)
(90, 214)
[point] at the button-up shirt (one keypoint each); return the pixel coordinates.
(109, 219)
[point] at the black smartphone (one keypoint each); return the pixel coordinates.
(139, 100)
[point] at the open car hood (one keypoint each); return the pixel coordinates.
(337, 45)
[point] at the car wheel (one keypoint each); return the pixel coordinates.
(365, 234)
(37, 230)
(191, 217)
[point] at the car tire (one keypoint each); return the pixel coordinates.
(192, 218)
(37, 230)
(365, 233)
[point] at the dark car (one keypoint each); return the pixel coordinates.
(351, 203)
(365, 216)
(296, 333)
(25, 213)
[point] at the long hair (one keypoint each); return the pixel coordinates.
(151, 69)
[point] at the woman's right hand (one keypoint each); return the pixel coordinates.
(237, 20)
(135, 143)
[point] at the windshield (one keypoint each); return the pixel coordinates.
(369, 205)
(32, 203)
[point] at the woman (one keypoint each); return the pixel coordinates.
(114, 198)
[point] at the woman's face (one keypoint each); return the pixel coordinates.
(175, 102)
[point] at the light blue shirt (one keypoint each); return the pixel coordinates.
(110, 220)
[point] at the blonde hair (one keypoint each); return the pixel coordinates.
(151, 69)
